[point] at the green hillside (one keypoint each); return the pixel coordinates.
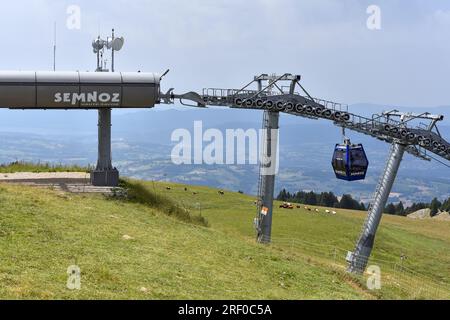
(128, 248)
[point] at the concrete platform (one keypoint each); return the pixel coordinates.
(74, 182)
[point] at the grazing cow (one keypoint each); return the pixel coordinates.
(221, 193)
(168, 188)
(185, 189)
(327, 211)
(286, 205)
(317, 210)
(195, 193)
(334, 212)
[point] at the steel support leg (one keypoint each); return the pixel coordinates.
(104, 174)
(268, 172)
(359, 258)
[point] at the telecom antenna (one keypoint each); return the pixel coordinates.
(112, 43)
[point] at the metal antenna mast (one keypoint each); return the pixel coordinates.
(54, 47)
(112, 51)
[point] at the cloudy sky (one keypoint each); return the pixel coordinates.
(224, 43)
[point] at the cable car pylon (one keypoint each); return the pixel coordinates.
(359, 258)
(267, 173)
(268, 163)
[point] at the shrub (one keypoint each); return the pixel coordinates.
(138, 193)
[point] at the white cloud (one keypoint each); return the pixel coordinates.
(442, 17)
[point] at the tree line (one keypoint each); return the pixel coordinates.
(435, 206)
(330, 200)
(324, 199)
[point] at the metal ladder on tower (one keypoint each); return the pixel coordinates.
(356, 253)
(261, 182)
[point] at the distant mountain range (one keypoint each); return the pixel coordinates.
(142, 147)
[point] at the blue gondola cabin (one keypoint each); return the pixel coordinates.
(350, 161)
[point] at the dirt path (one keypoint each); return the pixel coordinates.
(25, 176)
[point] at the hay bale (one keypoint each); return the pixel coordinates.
(442, 216)
(420, 214)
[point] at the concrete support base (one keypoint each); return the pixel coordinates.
(105, 178)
